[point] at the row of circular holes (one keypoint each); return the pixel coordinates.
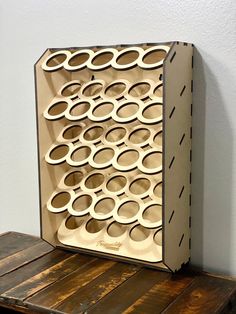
(115, 184)
(113, 135)
(123, 159)
(121, 112)
(114, 229)
(125, 211)
(115, 90)
(124, 59)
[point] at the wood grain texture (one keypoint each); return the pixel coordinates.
(64, 288)
(129, 292)
(23, 257)
(205, 295)
(160, 295)
(13, 242)
(47, 277)
(62, 282)
(88, 295)
(29, 270)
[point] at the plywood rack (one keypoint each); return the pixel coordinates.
(114, 138)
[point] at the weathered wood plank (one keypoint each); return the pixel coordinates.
(29, 270)
(205, 295)
(23, 257)
(88, 295)
(160, 295)
(13, 242)
(46, 277)
(129, 292)
(64, 288)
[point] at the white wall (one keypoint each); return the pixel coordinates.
(27, 27)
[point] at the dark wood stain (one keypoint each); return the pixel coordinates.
(29, 270)
(206, 295)
(88, 295)
(36, 278)
(13, 242)
(160, 295)
(46, 277)
(129, 292)
(64, 288)
(23, 257)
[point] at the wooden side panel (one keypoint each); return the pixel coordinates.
(177, 154)
(47, 85)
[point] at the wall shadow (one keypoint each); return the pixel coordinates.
(212, 163)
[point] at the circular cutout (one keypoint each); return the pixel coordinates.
(60, 201)
(153, 213)
(157, 139)
(157, 91)
(128, 209)
(151, 161)
(151, 112)
(78, 110)
(157, 191)
(70, 89)
(104, 206)
(71, 132)
(116, 184)
(158, 237)
(58, 153)
(115, 135)
(153, 57)
(78, 60)
(94, 226)
(102, 157)
(92, 89)
(73, 223)
(79, 155)
(92, 134)
(73, 178)
(82, 203)
(102, 59)
(140, 186)
(140, 136)
(139, 233)
(116, 90)
(94, 181)
(56, 60)
(56, 110)
(126, 111)
(101, 111)
(116, 230)
(126, 159)
(127, 58)
(141, 89)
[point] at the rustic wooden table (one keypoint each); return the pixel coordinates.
(36, 278)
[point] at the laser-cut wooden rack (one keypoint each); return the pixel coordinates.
(114, 138)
